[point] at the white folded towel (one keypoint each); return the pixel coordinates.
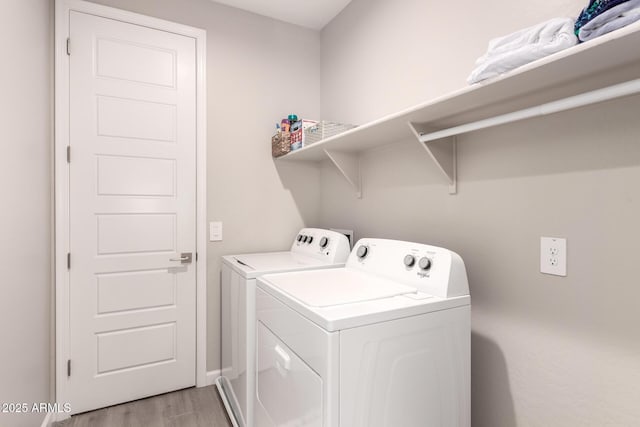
(617, 17)
(524, 46)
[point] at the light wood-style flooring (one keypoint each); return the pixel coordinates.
(192, 407)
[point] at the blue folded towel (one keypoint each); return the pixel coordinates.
(595, 8)
(617, 17)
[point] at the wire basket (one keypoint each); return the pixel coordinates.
(280, 144)
(323, 130)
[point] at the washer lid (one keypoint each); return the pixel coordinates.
(276, 261)
(326, 288)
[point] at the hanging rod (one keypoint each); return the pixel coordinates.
(631, 87)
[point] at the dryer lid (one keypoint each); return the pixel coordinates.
(327, 288)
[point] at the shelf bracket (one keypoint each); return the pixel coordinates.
(443, 152)
(349, 166)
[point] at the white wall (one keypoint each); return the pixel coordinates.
(25, 217)
(546, 351)
(253, 80)
(380, 56)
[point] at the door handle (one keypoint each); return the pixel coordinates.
(185, 258)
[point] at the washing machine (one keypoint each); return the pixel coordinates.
(382, 342)
(312, 248)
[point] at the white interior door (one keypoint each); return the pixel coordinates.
(132, 211)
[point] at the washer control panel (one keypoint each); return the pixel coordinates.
(322, 244)
(430, 269)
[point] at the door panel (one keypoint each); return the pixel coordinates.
(137, 347)
(136, 119)
(118, 292)
(121, 234)
(132, 210)
(144, 64)
(127, 176)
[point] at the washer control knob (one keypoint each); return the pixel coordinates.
(424, 263)
(299, 237)
(304, 239)
(409, 260)
(309, 239)
(362, 251)
(324, 242)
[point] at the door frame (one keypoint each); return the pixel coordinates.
(61, 180)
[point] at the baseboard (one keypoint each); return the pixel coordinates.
(48, 420)
(212, 376)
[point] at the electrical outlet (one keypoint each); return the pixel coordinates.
(553, 256)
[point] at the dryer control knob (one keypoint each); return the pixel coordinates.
(324, 242)
(409, 260)
(424, 263)
(309, 239)
(362, 251)
(304, 239)
(299, 237)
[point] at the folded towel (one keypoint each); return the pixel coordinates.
(595, 8)
(617, 17)
(524, 46)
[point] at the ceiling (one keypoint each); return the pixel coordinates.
(314, 14)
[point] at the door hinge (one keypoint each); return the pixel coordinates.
(69, 368)
(68, 261)
(68, 46)
(68, 154)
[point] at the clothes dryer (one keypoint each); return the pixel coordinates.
(312, 249)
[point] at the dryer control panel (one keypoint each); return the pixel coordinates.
(327, 245)
(430, 269)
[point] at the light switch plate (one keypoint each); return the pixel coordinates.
(215, 231)
(553, 256)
